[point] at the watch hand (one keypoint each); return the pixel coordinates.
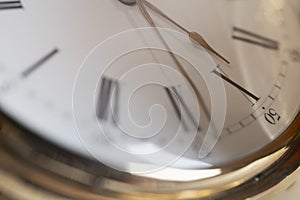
(200, 99)
(145, 13)
(193, 35)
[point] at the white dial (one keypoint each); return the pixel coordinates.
(53, 80)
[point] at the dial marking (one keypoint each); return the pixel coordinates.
(234, 84)
(272, 98)
(228, 130)
(106, 99)
(174, 95)
(253, 38)
(295, 55)
(282, 75)
(39, 63)
(247, 121)
(253, 116)
(272, 116)
(242, 124)
(7, 5)
(261, 111)
(176, 107)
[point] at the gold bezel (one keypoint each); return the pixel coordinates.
(30, 161)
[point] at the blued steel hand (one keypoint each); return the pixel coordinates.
(193, 35)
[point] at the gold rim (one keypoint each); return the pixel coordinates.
(27, 157)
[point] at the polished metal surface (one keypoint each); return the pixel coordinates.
(30, 162)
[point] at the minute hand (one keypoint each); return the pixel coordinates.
(200, 99)
(193, 35)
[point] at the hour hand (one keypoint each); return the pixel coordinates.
(194, 36)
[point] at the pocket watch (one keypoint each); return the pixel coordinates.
(148, 99)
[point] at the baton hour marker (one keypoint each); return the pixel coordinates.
(8, 5)
(108, 97)
(178, 102)
(255, 39)
(39, 63)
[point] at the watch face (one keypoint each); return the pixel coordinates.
(94, 79)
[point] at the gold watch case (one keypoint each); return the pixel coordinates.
(32, 168)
